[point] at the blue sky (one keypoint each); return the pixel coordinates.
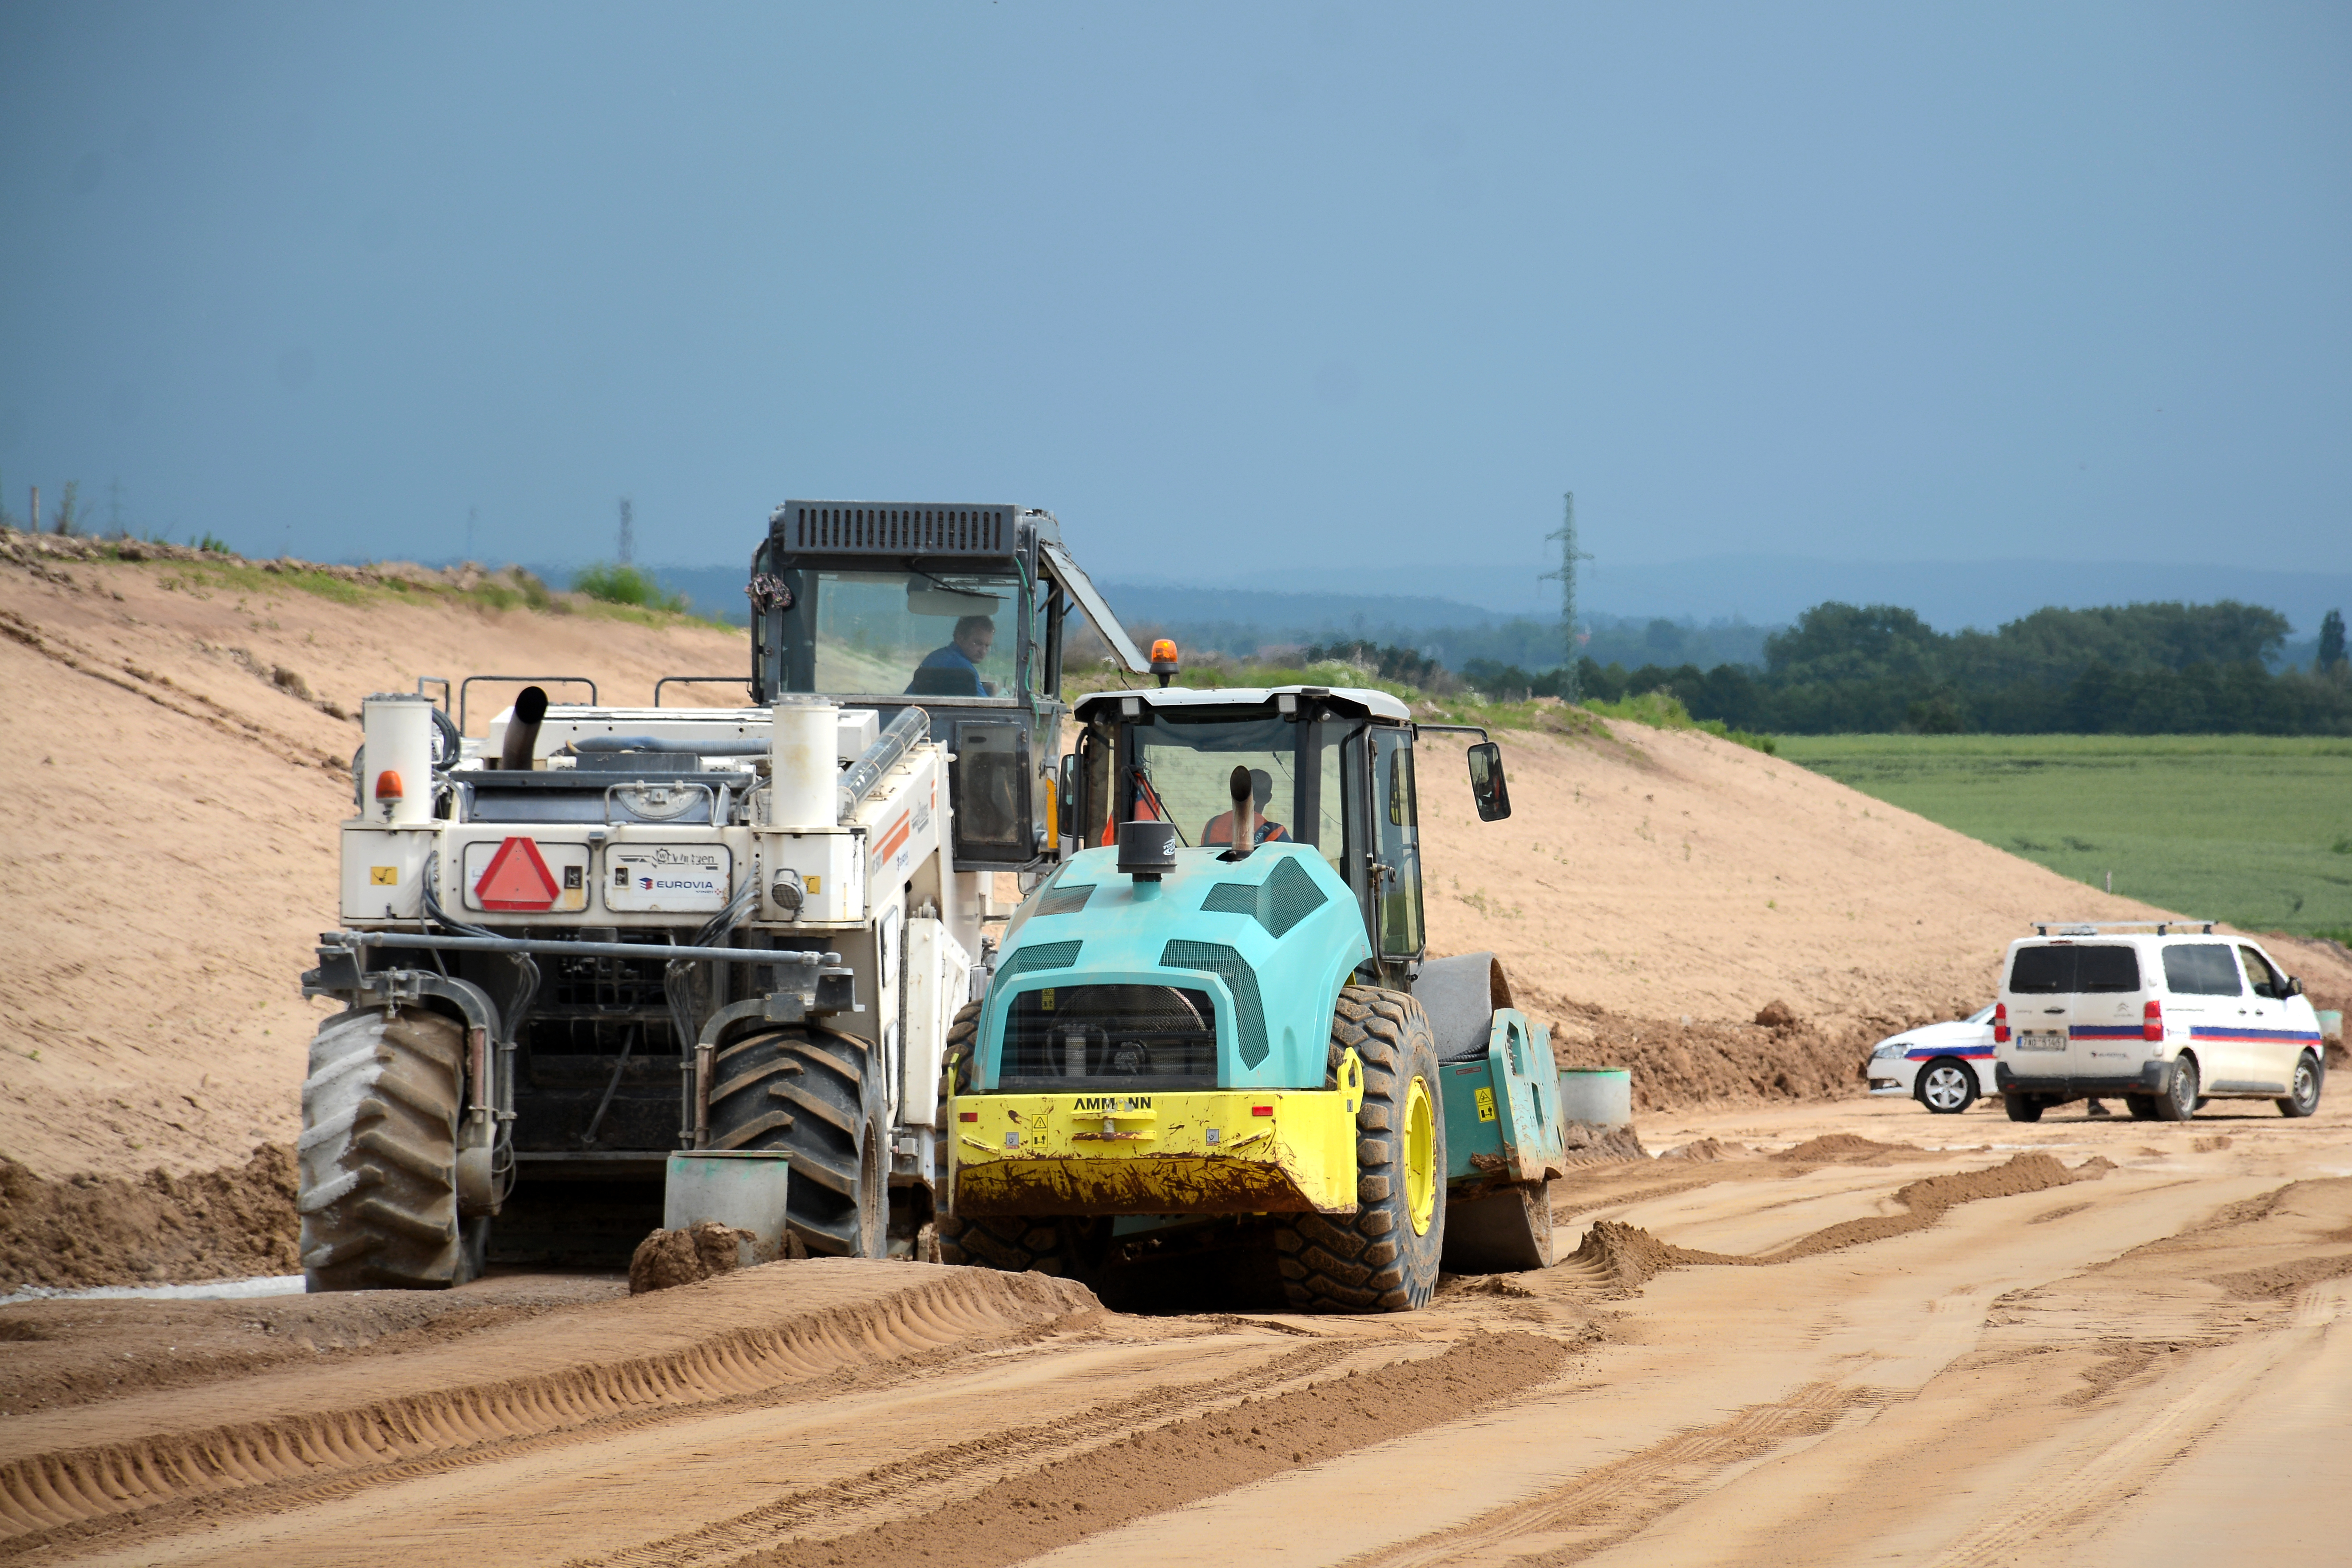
(1316, 291)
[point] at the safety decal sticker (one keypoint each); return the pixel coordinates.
(1486, 1098)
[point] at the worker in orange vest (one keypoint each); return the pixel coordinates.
(1219, 828)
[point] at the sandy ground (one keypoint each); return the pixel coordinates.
(1915, 1340)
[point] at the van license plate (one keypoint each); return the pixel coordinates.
(2040, 1040)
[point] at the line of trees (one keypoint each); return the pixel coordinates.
(2163, 669)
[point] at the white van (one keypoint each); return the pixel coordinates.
(2165, 1016)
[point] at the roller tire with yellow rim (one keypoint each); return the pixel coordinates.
(1384, 1256)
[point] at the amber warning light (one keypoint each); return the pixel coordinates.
(1164, 663)
(387, 785)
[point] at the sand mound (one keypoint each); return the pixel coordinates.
(1844, 1146)
(671, 1258)
(1591, 1142)
(1776, 1014)
(1708, 1149)
(2284, 1278)
(155, 1229)
(1627, 1256)
(1697, 1062)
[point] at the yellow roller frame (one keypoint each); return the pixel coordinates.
(1282, 1150)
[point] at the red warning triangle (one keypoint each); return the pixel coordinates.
(516, 878)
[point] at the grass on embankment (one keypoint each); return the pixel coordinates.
(628, 596)
(2252, 830)
(1542, 715)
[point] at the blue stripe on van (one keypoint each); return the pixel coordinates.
(2240, 1035)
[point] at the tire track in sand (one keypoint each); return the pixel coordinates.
(931, 1478)
(1613, 1502)
(2131, 1445)
(1151, 1472)
(46, 1495)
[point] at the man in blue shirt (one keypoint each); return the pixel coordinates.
(954, 671)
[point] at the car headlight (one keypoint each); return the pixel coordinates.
(1891, 1048)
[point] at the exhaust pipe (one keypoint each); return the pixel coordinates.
(522, 730)
(1245, 815)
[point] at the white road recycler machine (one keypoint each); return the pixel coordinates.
(609, 968)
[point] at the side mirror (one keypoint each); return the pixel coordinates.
(1066, 805)
(2295, 986)
(1487, 785)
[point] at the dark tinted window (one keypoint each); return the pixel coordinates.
(2069, 971)
(2107, 969)
(2042, 971)
(2200, 969)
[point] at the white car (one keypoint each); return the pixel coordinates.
(1944, 1066)
(2166, 1019)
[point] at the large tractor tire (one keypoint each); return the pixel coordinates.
(1384, 1256)
(1017, 1244)
(1067, 1248)
(811, 1093)
(378, 1195)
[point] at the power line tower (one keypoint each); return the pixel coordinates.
(1569, 556)
(629, 533)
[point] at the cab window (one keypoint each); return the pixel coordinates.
(2265, 980)
(1394, 816)
(901, 633)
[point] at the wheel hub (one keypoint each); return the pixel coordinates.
(1420, 1157)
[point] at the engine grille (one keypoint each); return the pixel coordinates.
(893, 528)
(1228, 965)
(1114, 1038)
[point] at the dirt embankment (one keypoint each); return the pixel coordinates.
(184, 727)
(225, 1224)
(1658, 875)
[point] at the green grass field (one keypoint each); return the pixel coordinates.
(2253, 829)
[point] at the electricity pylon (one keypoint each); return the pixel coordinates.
(1573, 687)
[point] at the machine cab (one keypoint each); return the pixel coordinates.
(957, 608)
(1330, 769)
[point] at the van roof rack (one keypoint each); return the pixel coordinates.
(2093, 928)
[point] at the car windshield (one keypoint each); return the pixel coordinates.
(898, 632)
(1981, 1016)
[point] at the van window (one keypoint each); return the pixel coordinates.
(2200, 969)
(2265, 980)
(2042, 971)
(2107, 969)
(2067, 971)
